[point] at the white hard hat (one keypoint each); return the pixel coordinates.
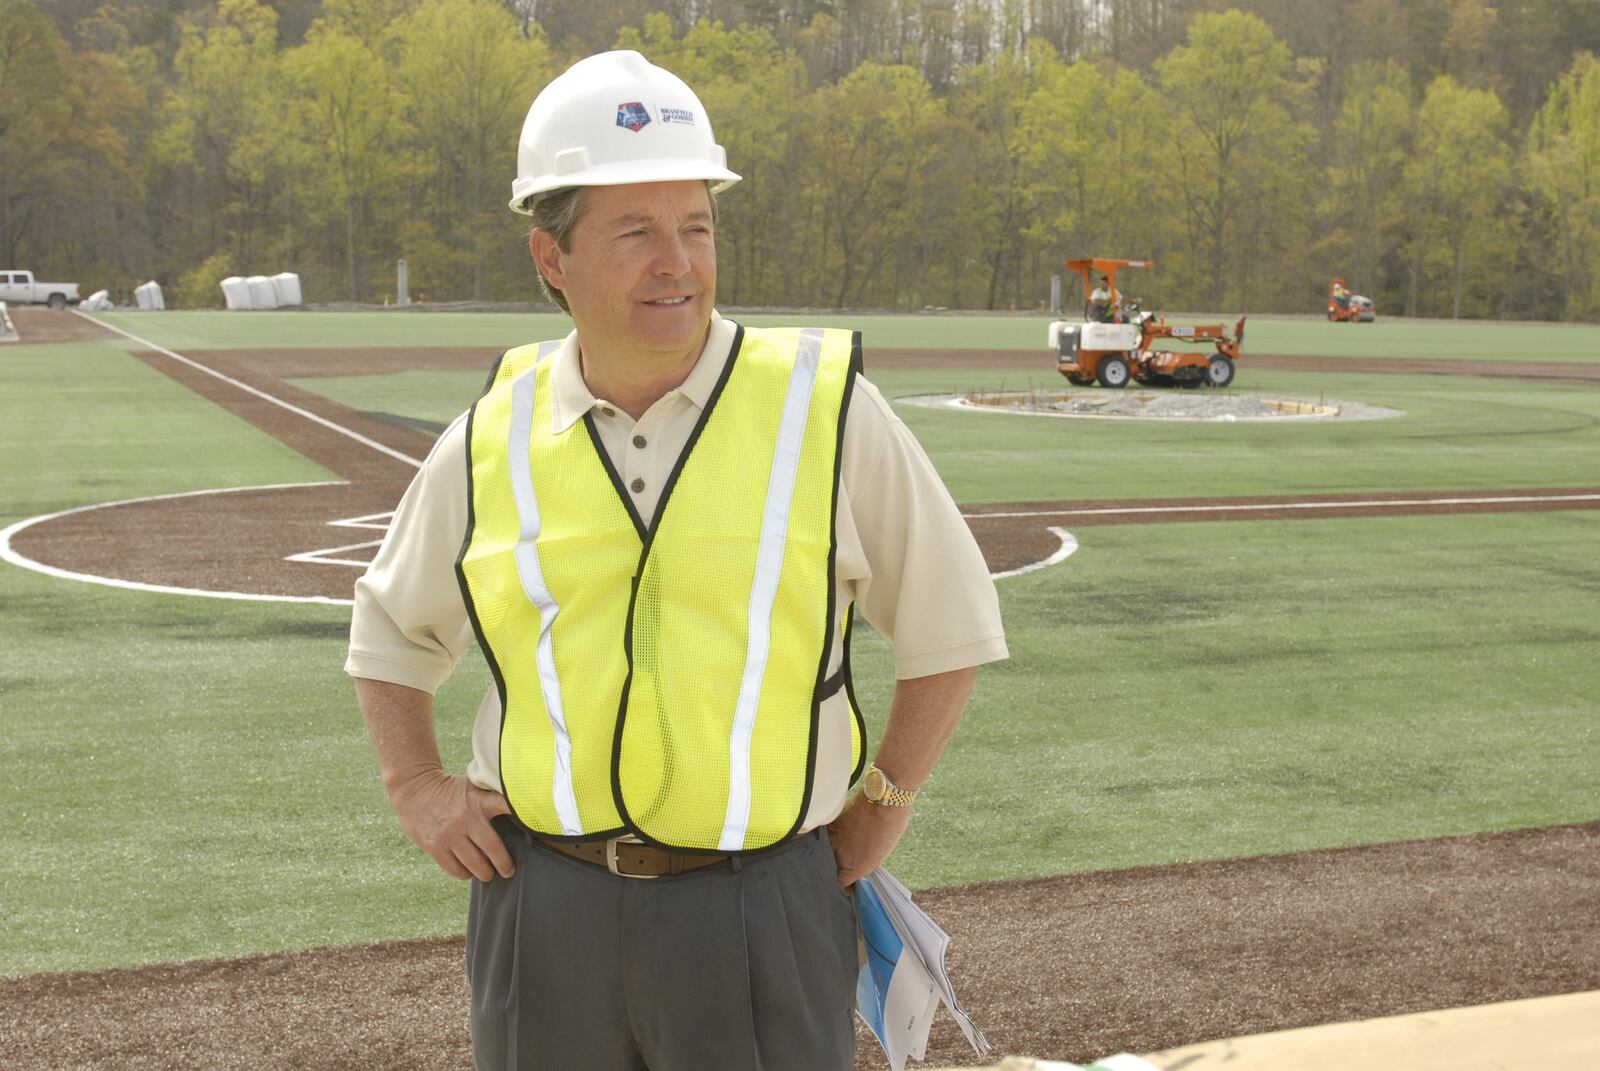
(612, 119)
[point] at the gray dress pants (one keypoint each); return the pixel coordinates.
(749, 965)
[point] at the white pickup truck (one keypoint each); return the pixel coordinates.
(20, 288)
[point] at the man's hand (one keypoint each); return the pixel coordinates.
(448, 816)
(863, 836)
(922, 718)
(444, 814)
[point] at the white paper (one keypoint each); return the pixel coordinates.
(904, 979)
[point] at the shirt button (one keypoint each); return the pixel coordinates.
(637, 485)
(638, 440)
(608, 411)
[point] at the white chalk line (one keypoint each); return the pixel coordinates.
(328, 555)
(377, 522)
(1486, 500)
(1069, 545)
(370, 520)
(10, 554)
(415, 463)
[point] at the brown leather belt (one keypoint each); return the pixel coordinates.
(629, 859)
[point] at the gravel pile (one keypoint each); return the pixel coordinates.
(1225, 406)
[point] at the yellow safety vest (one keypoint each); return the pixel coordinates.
(664, 680)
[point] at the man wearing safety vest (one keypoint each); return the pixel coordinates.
(658, 529)
(1101, 304)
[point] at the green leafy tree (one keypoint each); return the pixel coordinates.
(1563, 172)
(1001, 100)
(209, 153)
(35, 108)
(349, 118)
(468, 76)
(1235, 94)
(1093, 143)
(200, 287)
(68, 181)
(1455, 185)
(1471, 44)
(865, 144)
(1367, 148)
(1141, 211)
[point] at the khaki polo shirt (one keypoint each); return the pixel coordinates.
(905, 556)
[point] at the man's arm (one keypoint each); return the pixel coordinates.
(922, 719)
(444, 814)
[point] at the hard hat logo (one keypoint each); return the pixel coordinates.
(677, 115)
(632, 116)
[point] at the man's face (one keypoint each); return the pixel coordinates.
(642, 271)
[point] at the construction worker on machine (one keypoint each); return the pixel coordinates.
(1101, 304)
(1341, 296)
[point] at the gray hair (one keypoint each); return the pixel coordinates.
(558, 213)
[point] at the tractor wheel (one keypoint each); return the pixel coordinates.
(1114, 372)
(1077, 380)
(1333, 317)
(1219, 372)
(57, 301)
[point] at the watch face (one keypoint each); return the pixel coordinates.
(874, 784)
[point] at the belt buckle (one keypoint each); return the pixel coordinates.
(611, 863)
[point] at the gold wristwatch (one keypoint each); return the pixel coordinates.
(877, 787)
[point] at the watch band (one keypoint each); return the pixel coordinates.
(878, 789)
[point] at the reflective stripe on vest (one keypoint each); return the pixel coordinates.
(514, 362)
(664, 681)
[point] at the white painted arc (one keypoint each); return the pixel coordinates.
(388, 451)
(9, 554)
(1069, 545)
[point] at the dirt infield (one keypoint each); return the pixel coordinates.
(310, 541)
(1066, 967)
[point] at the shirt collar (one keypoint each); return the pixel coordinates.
(572, 397)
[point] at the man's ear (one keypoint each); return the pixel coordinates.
(547, 256)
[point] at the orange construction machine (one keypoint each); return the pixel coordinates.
(1345, 307)
(1113, 343)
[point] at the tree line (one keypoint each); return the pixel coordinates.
(897, 154)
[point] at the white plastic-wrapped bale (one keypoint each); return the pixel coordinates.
(148, 295)
(262, 295)
(286, 285)
(236, 292)
(98, 301)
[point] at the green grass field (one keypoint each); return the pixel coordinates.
(1457, 434)
(187, 777)
(1464, 340)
